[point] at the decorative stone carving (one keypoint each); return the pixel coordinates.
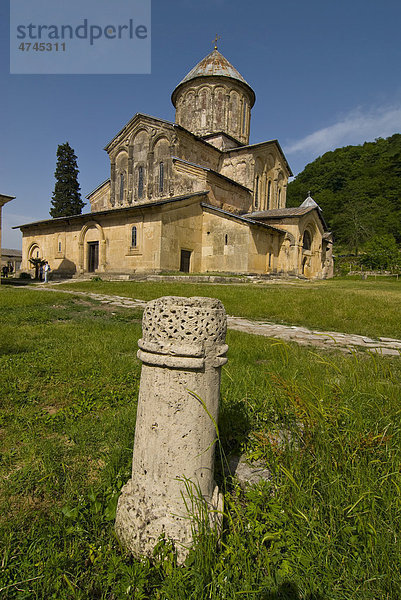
(182, 351)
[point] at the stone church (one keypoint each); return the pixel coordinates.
(191, 196)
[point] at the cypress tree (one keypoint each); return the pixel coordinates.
(66, 196)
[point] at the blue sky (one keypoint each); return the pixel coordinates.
(325, 73)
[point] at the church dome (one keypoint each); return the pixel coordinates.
(214, 101)
(213, 65)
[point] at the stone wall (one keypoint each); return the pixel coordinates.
(212, 104)
(262, 169)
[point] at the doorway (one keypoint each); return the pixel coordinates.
(93, 256)
(185, 261)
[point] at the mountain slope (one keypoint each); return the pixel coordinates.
(358, 189)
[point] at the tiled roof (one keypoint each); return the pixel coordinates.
(214, 65)
(243, 218)
(114, 211)
(278, 213)
(10, 252)
(281, 212)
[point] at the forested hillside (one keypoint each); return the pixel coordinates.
(358, 189)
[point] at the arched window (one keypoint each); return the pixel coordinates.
(307, 241)
(140, 182)
(59, 246)
(121, 188)
(279, 198)
(244, 118)
(257, 191)
(134, 237)
(269, 191)
(161, 177)
(226, 240)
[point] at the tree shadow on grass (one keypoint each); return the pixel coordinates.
(289, 591)
(15, 282)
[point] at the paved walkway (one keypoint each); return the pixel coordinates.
(345, 342)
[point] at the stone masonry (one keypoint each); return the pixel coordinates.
(182, 350)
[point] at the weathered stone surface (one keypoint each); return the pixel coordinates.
(248, 473)
(182, 350)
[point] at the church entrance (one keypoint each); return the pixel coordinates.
(185, 261)
(93, 256)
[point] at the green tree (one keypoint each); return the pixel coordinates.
(66, 196)
(37, 263)
(381, 252)
(358, 189)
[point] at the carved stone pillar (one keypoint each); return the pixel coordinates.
(81, 266)
(130, 178)
(182, 351)
(150, 175)
(102, 255)
(113, 183)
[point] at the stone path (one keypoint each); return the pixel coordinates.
(345, 342)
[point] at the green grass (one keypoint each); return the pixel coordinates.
(326, 527)
(352, 306)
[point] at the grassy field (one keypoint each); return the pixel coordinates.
(353, 306)
(326, 527)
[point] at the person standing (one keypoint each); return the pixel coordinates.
(46, 270)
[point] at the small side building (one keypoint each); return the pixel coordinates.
(3, 200)
(11, 258)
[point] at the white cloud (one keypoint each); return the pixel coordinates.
(357, 127)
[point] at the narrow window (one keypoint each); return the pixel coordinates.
(307, 241)
(59, 246)
(279, 198)
(37, 254)
(244, 118)
(269, 191)
(270, 260)
(140, 182)
(257, 192)
(226, 240)
(133, 237)
(121, 188)
(161, 177)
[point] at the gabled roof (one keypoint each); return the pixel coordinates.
(142, 116)
(4, 199)
(243, 218)
(287, 213)
(214, 65)
(309, 201)
(10, 252)
(208, 170)
(137, 117)
(251, 146)
(88, 196)
(280, 212)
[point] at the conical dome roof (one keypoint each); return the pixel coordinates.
(214, 65)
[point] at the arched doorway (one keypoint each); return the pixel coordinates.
(92, 248)
(35, 259)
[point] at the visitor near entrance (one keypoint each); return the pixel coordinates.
(46, 270)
